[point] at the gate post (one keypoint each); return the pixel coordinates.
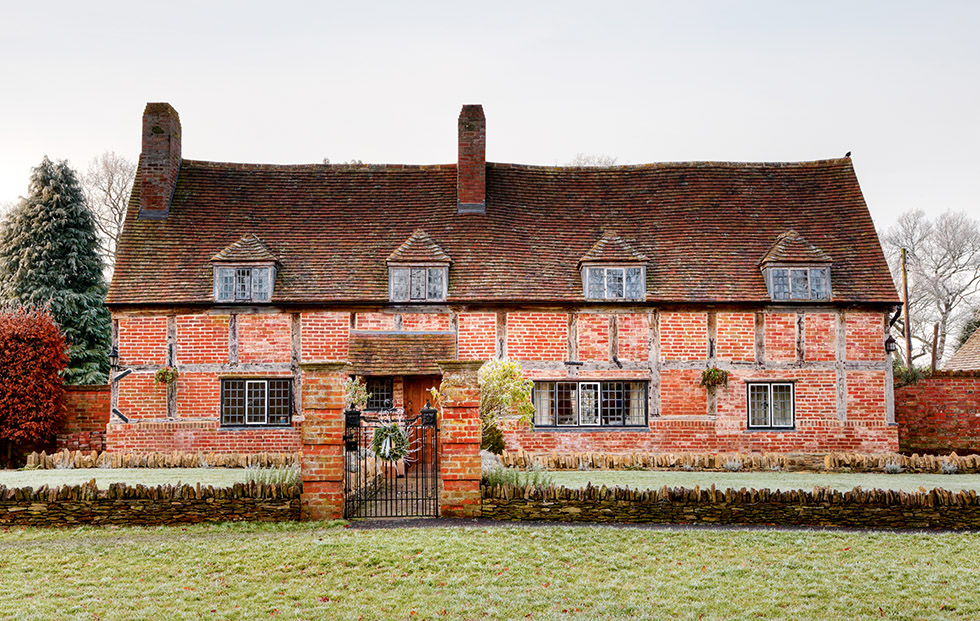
(322, 459)
(459, 440)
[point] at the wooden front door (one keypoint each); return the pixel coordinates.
(417, 391)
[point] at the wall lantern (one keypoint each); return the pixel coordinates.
(113, 356)
(890, 345)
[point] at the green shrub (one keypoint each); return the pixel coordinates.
(536, 476)
(277, 475)
(493, 439)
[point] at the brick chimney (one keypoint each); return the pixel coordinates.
(471, 169)
(159, 161)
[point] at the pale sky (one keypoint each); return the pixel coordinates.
(896, 83)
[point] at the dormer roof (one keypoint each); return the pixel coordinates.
(611, 248)
(419, 248)
(248, 249)
(791, 247)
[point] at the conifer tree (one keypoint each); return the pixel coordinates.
(49, 257)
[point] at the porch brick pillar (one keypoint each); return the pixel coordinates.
(322, 458)
(459, 440)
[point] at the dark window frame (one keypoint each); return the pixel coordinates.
(770, 426)
(246, 294)
(587, 271)
(424, 273)
(561, 407)
(791, 294)
(375, 402)
(277, 393)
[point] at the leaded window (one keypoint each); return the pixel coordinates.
(381, 393)
(771, 405)
(590, 404)
(248, 401)
(243, 284)
(417, 284)
(614, 283)
(798, 283)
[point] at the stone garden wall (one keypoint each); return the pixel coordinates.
(174, 459)
(822, 507)
(121, 505)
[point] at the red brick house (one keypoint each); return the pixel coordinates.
(614, 287)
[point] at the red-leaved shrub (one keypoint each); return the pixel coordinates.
(32, 395)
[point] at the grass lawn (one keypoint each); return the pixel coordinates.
(772, 480)
(218, 477)
(309, 571)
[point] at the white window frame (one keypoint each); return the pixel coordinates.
(577, 404)
(246, 407)
(769, 414)
(605, 281)
(253, 269)
(410, 266)
(770, 282)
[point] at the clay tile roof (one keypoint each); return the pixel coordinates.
(611, 248)
(966, 358)
(249, 248)
(705, 224)
(419, 248)
(387, 353)
(791, 247)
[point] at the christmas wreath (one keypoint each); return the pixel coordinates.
(389, 442)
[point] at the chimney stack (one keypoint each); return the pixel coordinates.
(471, 169)
(159, 161)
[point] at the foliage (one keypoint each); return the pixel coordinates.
(536, 476)
(166, 375)
(492, 440)
(893, 467)
(943, 265)
(107, 185)
(390, 443)
(49, 257)
(32, 394)
(904, 376)
(355, 393)
(278, 475)
(714, 377)
(589, 160)
(733, 465)
(504, 392)
(971, 326)
(948, 467)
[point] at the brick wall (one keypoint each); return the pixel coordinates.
(593, 336)
(264, 337)
(683, 336)
(634, 337)
(476, 336)
(940, 414)
(780, 337)
(202, 339)
(142, 340)
(199, 436)
(865, 335)
(736, 337)
(537, 336)
(87, 412)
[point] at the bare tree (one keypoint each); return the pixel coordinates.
(107, 186)
(943, 261)
(581, 159)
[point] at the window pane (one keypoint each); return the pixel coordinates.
(597, 283)
(279, 402)
(758, 405)
(543, 403)
(225, 289)
(399, 284)
(233, 402)
(613, 403)
(566, 403)
(614, 283)
(435, 283)
(418, 283)
(260, 284)
(255, 393)
(782, 405)
(780, 283)
(243, 284)
(381, 391)
(634, 290)
(800, 284)
(637, 404)
(588, 404)
(819, 284)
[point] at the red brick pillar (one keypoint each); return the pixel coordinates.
(459, 440)
(322, 459)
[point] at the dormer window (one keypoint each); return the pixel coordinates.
(243, 284)
(614, 282)
(417, 283)
(798, 283)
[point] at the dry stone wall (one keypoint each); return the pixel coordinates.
(175, 459)
(937, 509)
(122, 505)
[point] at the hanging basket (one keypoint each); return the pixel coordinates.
(389, 443)
(166, 375)
(714, 377)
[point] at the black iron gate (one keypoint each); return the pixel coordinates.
(397, 475)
